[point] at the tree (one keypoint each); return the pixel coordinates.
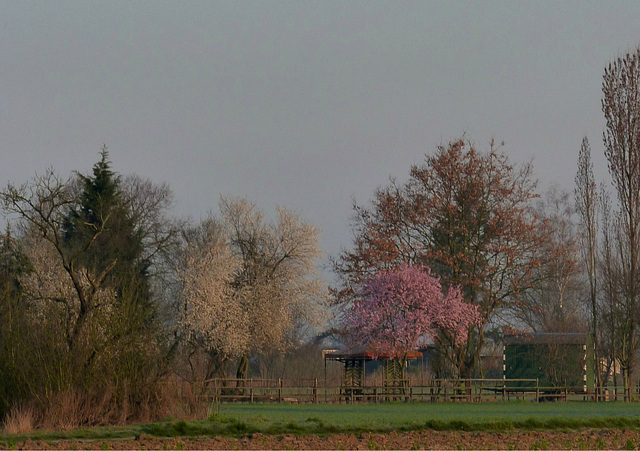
(86, 314)
(553, 302)
(212, 318)
(248, 283)
(42, 206)
(621, 108)
(611, 310)
(399, 310)
(13, 266)
(55, 317)
(101, 232)
(586, 198)
(464, 213)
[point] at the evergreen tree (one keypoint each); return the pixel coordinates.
(101, 231)
(13, 263)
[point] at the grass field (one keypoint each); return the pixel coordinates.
(236, 420)
(441, 416)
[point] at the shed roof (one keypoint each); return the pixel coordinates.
(524, 338)
(368, 356)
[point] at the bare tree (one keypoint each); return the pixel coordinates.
(43, 206)
(586, 198)
(621, 108)
(148, 205)
(611, 309)
(552, 304)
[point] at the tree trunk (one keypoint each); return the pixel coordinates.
(243, 368)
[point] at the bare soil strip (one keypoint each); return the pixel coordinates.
(438, 440)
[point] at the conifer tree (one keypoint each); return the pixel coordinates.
(102, 232)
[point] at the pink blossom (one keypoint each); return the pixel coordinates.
(399, 310)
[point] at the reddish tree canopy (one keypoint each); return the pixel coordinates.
(464, 213)
(401, 308)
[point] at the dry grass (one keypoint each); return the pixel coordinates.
(76, 408)
(184, 400)
(72, 408)
(20, 420)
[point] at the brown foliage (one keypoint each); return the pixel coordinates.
(73, 408)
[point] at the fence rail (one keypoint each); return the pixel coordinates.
(377, 390)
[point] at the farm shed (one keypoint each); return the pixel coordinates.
(555, 359)
(355, 366)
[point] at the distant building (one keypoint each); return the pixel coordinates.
(555, 359)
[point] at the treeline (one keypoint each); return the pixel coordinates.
(113, 307)
(551, 263)
(106, 300)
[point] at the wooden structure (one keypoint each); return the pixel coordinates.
(355, 369)
(296, 391)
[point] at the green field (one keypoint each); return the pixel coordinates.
(241, 419)
(400, 416)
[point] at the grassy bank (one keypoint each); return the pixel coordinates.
(235, 420)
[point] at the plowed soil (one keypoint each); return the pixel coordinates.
(519, 440)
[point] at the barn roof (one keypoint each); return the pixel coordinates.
(524, 338)
(368, 356)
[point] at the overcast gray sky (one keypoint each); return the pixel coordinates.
(305, 104)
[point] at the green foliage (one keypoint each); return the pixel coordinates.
(102, 232)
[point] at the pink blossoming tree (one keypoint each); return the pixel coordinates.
(400, 309)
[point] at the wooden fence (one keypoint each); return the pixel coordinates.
(374, 391)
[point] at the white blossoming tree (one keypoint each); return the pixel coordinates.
(248, 283)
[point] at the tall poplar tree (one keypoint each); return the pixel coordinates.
(621, 108)
(586, 196)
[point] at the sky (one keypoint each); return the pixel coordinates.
(302, 104)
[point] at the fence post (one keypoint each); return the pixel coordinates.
(325, 383)
(465, 390)
(315, 391)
